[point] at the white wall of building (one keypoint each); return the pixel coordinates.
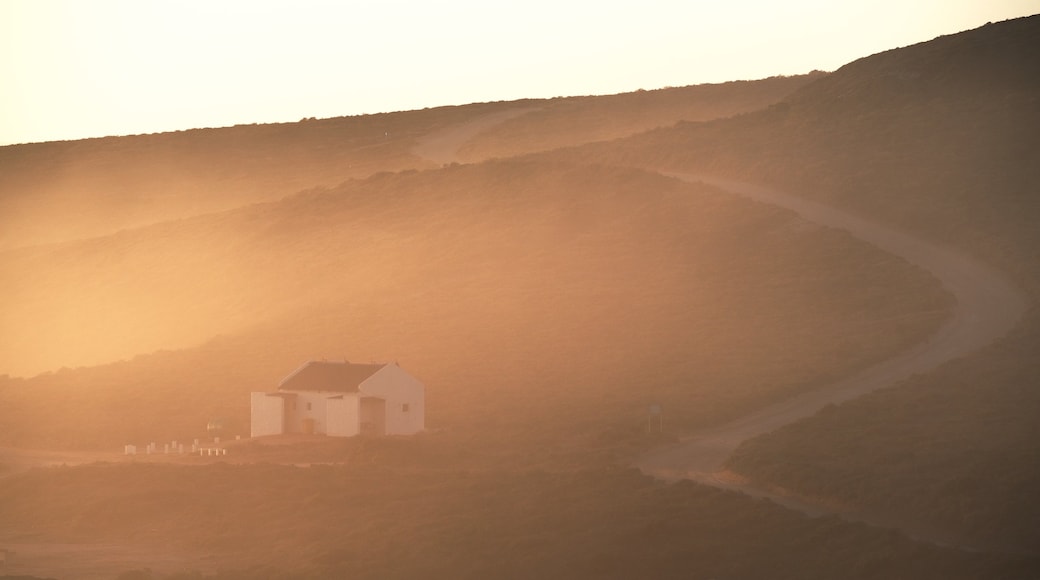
(405, 399)
(267, 414)
(311, 405)
(342, 415)
(338, 414)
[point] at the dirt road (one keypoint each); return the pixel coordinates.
(988, 307)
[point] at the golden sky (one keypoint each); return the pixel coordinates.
(71, 69)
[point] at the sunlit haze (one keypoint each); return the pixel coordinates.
(463, 290)
(72, 69)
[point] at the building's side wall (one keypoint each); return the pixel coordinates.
(266, 415)
(310, 406)
(342, 416)
(405, 399)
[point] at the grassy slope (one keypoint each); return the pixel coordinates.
(519, 291)
(68, 190)
(548, 386)
(383, 517)
(573, 121)
(938, 138)
(957, 448)
(545, 305)
(74, 189)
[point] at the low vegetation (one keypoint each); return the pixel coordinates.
(956, 448)
(385, 518)
(935, 138)
(521, 293)
(572, 121)
(545, 301)
(68, 190)
(938, 139)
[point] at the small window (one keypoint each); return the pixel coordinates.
(404, 407)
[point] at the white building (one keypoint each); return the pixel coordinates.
(341, 399)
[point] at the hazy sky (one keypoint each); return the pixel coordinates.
(81, 68)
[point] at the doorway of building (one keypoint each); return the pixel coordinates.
(373, 416)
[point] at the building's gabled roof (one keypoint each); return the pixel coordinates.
(339, 377)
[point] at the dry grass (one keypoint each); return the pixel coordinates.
(938, 139)
(383, 519)
(521, 293)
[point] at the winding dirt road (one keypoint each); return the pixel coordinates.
(988, 306)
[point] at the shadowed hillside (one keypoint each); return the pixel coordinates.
(937, 138)
(545, 301)
(505, 285)
(577, 120)
(74, 189)
(323, 522)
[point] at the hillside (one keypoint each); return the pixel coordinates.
(545, 305)
(937, 138)
(577, 120)
(532, 287)
(387, 519)
(67, 190)
(956, 448)
(545, 299)
(62, 191)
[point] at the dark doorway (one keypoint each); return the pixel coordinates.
(373, 416)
